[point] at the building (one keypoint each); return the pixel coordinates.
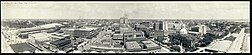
(148, 24)
(150, 45)
(178, 26)
(156, 33)
(132, 46)
(168, 25)
(84, 33)
(183, 30)
(133, 36)
(169, 28)
(40, 37)
(124, 19)
(158, 25)
(107, 44)
(202, 29)
(125, 28)
(24, 32)
(199, 29)
(142, 28)
(23, 35)
(117, 37)
(115, 26)
(41, 27)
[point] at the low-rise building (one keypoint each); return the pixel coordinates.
(61, 44)
(133, 46)
(133, 36)
(84, 33)
(117, 37)
(150, 45)
(156, 33)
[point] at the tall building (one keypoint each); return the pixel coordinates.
(158, 25)
(202, 29)
(124, 19)
(168, 26)
(183, 30)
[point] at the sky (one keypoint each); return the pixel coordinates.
(134, 10)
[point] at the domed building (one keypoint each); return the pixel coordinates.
(183, 31)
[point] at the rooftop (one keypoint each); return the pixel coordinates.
(40, 27)
(82, 29)
(41, 36)
(61, 42)
(117, 36)
(150, 44)
(132, 45)
(21, 47)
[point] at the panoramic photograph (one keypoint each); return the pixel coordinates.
(125, 27)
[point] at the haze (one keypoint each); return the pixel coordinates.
(230, 10)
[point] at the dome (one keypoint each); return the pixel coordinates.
(183, 31)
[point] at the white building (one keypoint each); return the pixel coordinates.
(202, 29)
(183, 30)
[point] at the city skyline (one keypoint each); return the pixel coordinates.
(135, 10)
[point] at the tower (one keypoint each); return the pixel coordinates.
(183, 30)
(124, 19)
(202, 29)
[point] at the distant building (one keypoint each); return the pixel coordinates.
(168, 25)
(158, 25)
(156, 33)
(147, 24)
(41, 27)
(183, 30)
(115, 26)
(202, 29)
(61, 44)
(124, 20)
(24, 32)
(125, 28)
(150, 45)
(198, 30)
(107, 44)
(84, 33)
(23, 35)
(117, 37)
(142, 28)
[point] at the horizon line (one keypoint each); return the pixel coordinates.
(130, 18)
